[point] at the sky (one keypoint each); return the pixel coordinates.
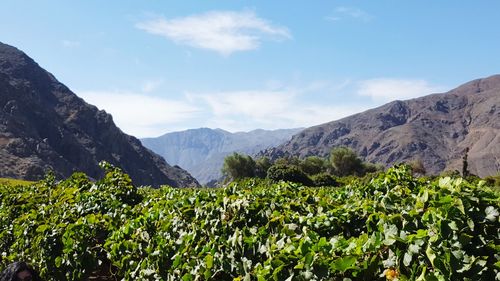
(164, 66)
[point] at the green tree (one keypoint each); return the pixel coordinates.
(313, 165)
(237, 166)
(261, 166)
(465, 163)
(294, 161)
(345, 161)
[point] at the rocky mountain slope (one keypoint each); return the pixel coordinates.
(435, 129)
(44, 126)
(202, 151)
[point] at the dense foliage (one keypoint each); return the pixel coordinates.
(283, 172)
(310, 171)
(238, 166)
(394, 227)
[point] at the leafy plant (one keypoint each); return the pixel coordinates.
(393, 227)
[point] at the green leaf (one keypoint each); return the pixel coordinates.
(177, 261)
(187, 277)
(460, 205)
(42, 228)
(430, 254)
(309, 258)
(421, 277)
(344, 263)
(209, 261)
(58, 261)
(300, 265)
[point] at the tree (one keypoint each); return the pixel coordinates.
(295, 161)
(345, 161)
(313, 165)
(237, 166)
(261, 166)
(465, 164)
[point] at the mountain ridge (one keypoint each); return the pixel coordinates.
(45, 126)
(435, 129)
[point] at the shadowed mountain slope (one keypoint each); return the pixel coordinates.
(44, 126)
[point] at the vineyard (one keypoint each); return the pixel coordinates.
(394, 227)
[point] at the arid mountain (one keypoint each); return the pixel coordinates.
(44, 126)
(436, 129)
(202, 151)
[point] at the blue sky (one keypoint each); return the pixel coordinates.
(162, 66)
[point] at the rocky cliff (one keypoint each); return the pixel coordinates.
(44, 126)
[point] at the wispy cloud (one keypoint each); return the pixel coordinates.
(225, 32)
(349, 12)
(388, 89)
(151, 85)
(270, 109)
(139, 114)
(70, 43)
(274, 106)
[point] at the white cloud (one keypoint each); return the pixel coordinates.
(225, 32)
(248, 110)
(151, 85)
(70, 43)
(387, 89)
(141, 115)
(351, 12)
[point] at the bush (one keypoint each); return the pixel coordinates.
(313, 165)
(288, 173)
(345, 162)
(493, 181)
(324, 179)
(237, 166)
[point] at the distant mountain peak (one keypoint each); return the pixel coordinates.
(202, 151)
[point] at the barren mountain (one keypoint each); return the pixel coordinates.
(44, 126)
(435, 129)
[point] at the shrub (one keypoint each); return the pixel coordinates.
(237, 166)
(345, 162)
(313, 165)
(288, 173)
(324, 179)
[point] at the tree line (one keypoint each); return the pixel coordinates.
(311, 171)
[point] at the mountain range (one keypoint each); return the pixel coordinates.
(202, 151)
(435, 129)
(45, 126)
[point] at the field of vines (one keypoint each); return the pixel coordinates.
(394, 227)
